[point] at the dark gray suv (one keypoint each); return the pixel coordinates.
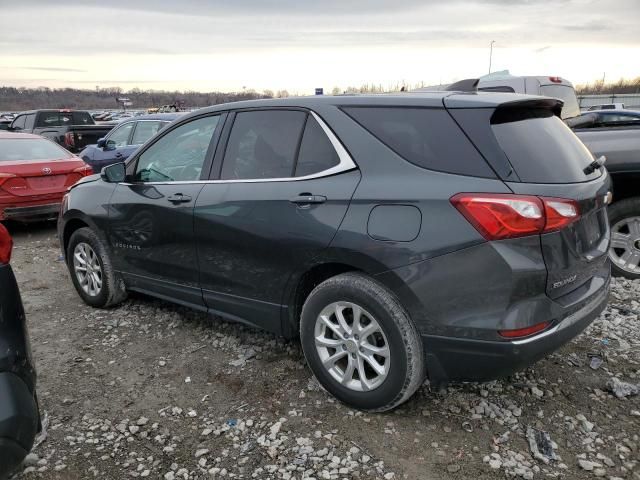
(452, 236)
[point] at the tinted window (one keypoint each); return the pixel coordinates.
(316, 151)
(541, 148)
(263, 144)
(54, 119)
(619, 119)
(179, 155)
(19, 122)
(29, 121)
(13, 149)
(425, 137)
(120, 136)
(145, 130)
(565, 93)
(82, 118)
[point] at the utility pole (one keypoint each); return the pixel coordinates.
(491, 53)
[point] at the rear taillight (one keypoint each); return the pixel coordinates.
(85, 170)
(524, 332)
(5, 176)
(500, 216)
(69, 140)
(6, 244)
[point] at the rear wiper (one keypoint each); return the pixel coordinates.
(596, 164)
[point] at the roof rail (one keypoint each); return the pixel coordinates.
(466, 85)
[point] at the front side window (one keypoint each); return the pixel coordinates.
(145, 130)
(179, 155)
(18, 123)
(263, 144)
(120, 136)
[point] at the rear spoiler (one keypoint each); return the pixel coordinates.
(523, 109)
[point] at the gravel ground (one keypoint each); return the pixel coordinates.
(153, 390)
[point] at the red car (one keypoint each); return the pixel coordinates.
(34, 175)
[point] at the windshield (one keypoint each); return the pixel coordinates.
(19, 149)
(565, 93)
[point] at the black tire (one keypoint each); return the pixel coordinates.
(113, 290)
(407, 369)
(618, 211)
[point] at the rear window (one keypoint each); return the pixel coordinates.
(565, 93)
(12, 149)
(541, 147)
(426, 137)
(58, 119)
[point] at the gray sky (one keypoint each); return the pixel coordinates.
(299, 44)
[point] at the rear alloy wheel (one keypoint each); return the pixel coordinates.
(91, 270)
(625, 238)
(360, 343)
(352, 346)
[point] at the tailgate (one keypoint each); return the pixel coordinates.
(535, 153)
(578, 252)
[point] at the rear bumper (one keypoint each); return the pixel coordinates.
(464, 359)
(19, 420)
(30, 211)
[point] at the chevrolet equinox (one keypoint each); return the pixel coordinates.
(448, 235)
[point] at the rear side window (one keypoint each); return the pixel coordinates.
(316, 151)
(541, 147)
(82, 118)
(263, 144)
(426, 137)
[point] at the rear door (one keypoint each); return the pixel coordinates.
(282, 183)
(547, 159)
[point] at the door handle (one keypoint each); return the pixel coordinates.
(307, 199)
(118, 155)
(179, 198)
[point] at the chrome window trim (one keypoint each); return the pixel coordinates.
(345, 164)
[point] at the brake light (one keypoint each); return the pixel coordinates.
(6, 244)
(560, 213)
(555, 79)
(69, 140)
(524, 332)
(500, 216)
(5, 176)
(85, 170)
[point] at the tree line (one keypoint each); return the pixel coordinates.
(600, 88)
(19, 99)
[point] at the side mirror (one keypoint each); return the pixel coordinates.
(101, 142)
(110, 145)
(114, 173)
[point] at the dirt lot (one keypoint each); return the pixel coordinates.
(153, 390)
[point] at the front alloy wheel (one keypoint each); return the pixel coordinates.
(87, 269)
(352, 346)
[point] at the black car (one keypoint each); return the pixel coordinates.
(19, 418)
(455, 235)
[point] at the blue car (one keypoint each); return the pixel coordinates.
(124, 139)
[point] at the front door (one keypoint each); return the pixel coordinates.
(281, 195)
(151, 215)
